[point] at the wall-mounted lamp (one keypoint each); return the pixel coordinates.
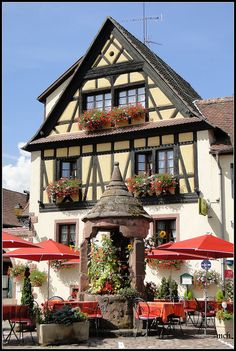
(18, 209)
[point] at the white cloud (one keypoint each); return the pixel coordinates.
(17, 177)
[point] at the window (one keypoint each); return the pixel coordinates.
(101, 101)
(164, 231)
(143, 163)
(165, 161)
(131, 96)
(67, 234)
(68, 169)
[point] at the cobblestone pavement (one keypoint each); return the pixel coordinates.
(190, 340)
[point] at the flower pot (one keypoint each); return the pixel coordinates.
(171, 190)
(36, 284)
(49, 334)
(224, 328)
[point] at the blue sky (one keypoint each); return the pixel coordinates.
(43, 39)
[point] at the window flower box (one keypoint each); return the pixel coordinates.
(143, 185)
(93, 120)
(63, 187)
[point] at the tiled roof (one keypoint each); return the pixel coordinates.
(19, 231)
(116, 131)
(10, 200)
(179, 85)
(219, 112)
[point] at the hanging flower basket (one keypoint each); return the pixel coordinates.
(63, 187)
(203, 278)
(164, 264)
(17, 271)
(37, 277)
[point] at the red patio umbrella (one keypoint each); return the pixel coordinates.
(71, 261)
(208, 244)
(13, 241)
(172, 255)
(50, 250)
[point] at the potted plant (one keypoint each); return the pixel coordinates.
(224, 323)
(62, 326)
(37, 277)
(163, 183)
(17, 271)
(62, 188)
(139, 185)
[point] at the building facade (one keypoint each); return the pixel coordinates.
(178, 133)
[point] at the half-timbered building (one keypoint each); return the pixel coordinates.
(178, 133)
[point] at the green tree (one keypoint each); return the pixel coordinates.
(27, 296)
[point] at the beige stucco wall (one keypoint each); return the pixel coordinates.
(53, 98)
(191, 223)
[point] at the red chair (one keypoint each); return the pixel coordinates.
(95, 311)
(208, 316)
(142, 314)
(24, 319)
(190, 311)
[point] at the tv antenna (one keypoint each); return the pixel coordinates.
(145, 19)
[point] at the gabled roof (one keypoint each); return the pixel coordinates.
(219, 112)
(10, 199)
(181, 89)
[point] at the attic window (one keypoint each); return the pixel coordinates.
(100, 101)
(132, 96)
(111, 53)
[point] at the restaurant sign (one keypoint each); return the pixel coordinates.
(203, 206)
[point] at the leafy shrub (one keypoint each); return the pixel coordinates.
(128, 292)
(66, 315)
(224, 315)
(219, 295)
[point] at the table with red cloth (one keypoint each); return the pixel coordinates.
(164, 309)
(91, 308)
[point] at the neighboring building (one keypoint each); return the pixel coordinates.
(13, 224)
(180, 134)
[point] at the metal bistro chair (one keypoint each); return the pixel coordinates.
(208, 316)
(96, 311)
(25, 321)
(190, 311)
(142, 314)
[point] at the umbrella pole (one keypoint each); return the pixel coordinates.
(205, 331)
(48, 276)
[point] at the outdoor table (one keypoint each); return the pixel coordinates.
(89, 307)
(164, 309)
